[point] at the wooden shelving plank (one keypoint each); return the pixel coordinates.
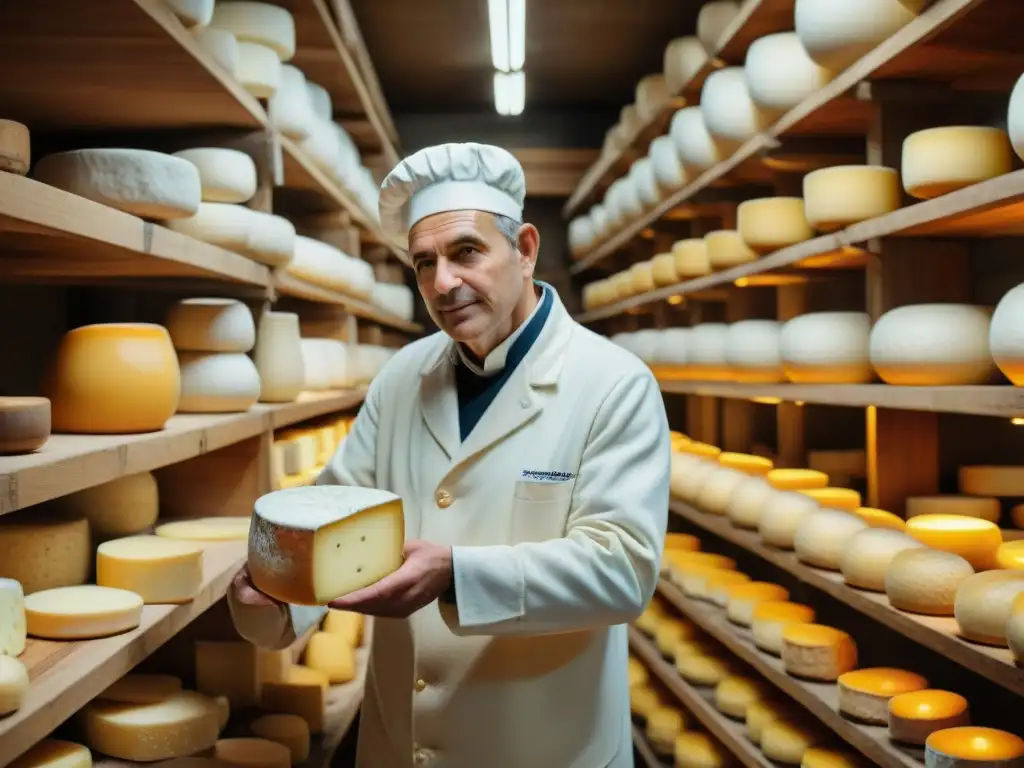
(729, 732)
(67, 675)
(756, 19)
(290, 285)
(69, 463)
(939, 633)
(650, 760)
(820, 699)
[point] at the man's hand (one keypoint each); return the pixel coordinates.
(246, 592)
(422, 578)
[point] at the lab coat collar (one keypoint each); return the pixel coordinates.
(494, 363)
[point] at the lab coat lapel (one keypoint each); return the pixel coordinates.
(439, 402)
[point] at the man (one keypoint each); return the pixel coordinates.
(532, 458)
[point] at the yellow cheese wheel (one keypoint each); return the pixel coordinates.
(879, 518)
(986, 508)
(796, 479)
(837, 197)
(1011, 555)
(703, 670)
(697, 448)
(83, 612)
(772, 223)
(834, 498)
(158, 569)
(937, 161)
(972, 746)
(817, 652)
(926, 580)
(55, 753)
(642, 276)
(771, 618)
(864, 694)
(663, 727)
(762, 712)
(691, 258)
(718, 584)
(916, 715)
(976, 541)
(816, 757)
(643, 700)
(726, 248)
(683, 541)
(742, 462)
(984, 604)
(735, 694)
(744, 598)
(699, 750)
(333, 655)
(999, 481)
(670, 631)
(663, 269)
(787, 741)
(638, 674)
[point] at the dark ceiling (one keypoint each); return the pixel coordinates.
(434, 55)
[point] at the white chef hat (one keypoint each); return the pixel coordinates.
(451, 177)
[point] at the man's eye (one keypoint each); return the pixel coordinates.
(467, 250)
(423, 264)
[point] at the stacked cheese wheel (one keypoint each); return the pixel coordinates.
(333, 364)
(396, 298)
(323, 264)
(300, 454)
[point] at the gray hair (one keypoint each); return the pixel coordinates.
(508, 227)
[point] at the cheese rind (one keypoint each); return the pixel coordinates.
(976, 541)
(158, 569)
(821, 538)
(866, 559)
(137, 688)
(879, 518)
(262, 23)
(747, 502)
(12, 618)
(24, 424)
(817, 652)
(226, 175)
(971, 746)
(734, 695)
(13, 684)
(82, 612)
(845, 499)
(937, 161)
(926, 581)
(289, 731)
(916, 715)
(43, 551)
(252, 753)
(299, 533)
(984, 604)
(864, 694)
(796, 479)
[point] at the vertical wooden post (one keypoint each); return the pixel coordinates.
(791, 301)
(738, 415)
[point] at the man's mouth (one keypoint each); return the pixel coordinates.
(457, 307)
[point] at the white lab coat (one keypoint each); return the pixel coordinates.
(530, 669)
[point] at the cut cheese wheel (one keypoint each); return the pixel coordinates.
(309, 546)
(771, 618)
(138, 688)
(726, 249)
(834, 498)
(289, 731)
(781, 515)
(263, 23)
(221, 46)
(975, 540)
(827, 348)
(178, 726)
(1015, 628)
(13, 684)
(148, 184)
(15, 147)
(864, 694)
(822, 537)
(683, 59)
(44, 551)
(747, 501)
(211, 325)
(787, 741)
(82, 612)
(937, 161)
(158, 569)
(796, 479)
(996, 481)
(837, 197)
(663, 727)
(744, 599)
(781, 74)
(816, 757)
(12, 618)
(759, 714)
(729, 112)
(226, 175)
(208, 529)
(965, 506)
(333, 655)
(817, 652)
(193, 12)
(121, 507)
(837, 33)
(973, 747)
(55, 753)
(24, 424)
(735, 694)
(714, 21)
(691, 258)
(879, 518)
(916, 715)
(217, 382)
(984, 604)
(866, 559)
(258, 69)
(926, 581)
(229, 669)
(303, 694)
(252, 753)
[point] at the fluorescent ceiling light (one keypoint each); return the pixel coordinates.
(508, 33)
(509, 92)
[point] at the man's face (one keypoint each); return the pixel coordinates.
(468, 273)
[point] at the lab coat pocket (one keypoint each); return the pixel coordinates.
(540, 510)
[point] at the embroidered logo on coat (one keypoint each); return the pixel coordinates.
(546, 476)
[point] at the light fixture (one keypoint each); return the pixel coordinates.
(509, 92)
(508, 34)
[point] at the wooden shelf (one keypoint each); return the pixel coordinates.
(939, 633)
(820, 699)
(67, 675)
(650, 760)
(290, 285)
(699, 703)
(69, 463)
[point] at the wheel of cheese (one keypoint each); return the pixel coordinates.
(642, 275)
(752, 351)
(42, 550)
(630, 120)
(975, 540)
(629, 201)
(726, 248)
(781, 515)
(193, 12)
(264, 237)
(772, 223)
(699, 449)
(643, 700)
(220, 46)
(707, 351)
(651, 96)
(926, 581)
(1006, 341)
(599, 216)
(786, 741)
(985, 508)
(207, 529)
(817, 652)
(211, 325)
(1011, 555)
(864, 694)
(816, 757)
(581, 236)
(879, 518)
(14, 685)
(866, 559)
(716, 583)
(321, 100)
(837, 33)
(796, 479)
(937, 161)
(845, 499)
(998, 481)
(258, 69)
(82, 612)
(680, 561)
(717, 489)
(668, 167)
(290, 109)
(713, 22)
(55, 753)
(771, 618)
(226, 175)
(699, 750)
(745, 462)
(827, 348)
(744, 598)
(729, 112)
(762, 712)
(24, 424)
(663, 727)
(151, 185)
(691, 258)
(914, 716)
(15, 147)
(217, 382)
(136, 688)
(822, 537)
(671, 352)
(157, 569)
(837, 197)
(747, 501)
(697, 148)
(984, 603)
(735, 694)
(121, 507)
(780, 74)
(932, 345)
(263, 23)
(684, 58)
(663, 270)
(704, 671)
(973, 747)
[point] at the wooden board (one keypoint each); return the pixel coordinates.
(820, 699)
(67, 675)
(939, 633)
(289, 285)
(699, 703)
(69, 463)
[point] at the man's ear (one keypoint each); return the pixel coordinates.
(529, 247)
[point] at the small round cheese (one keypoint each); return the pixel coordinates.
(845, 499)
(226, 175)
(707, 351)
(780, 74)
(963, 506)
(734, 695)
(82, 612)
(698, 150)
(1006, 340)
(752, 351)
(55, 753)
(836, 33)
(973, 747)
(864, 694)
(718, 583)
(663, 727)
(663, 270)
(41, 550)
(702, 670)
(868, 555)
(745, 462)
(688, 477)
(157, 569)
(744, 598)
(289, 731)
(691, 258)
(1015, 628)
(843, 195)
(217, 382)
(258, 69)
(926, 581)
(729, 112)
(15, 147)
(937, 161)
(252, 753)
(781, 515)
(221, 46)
(684, 57)
(796, 479)
(984, 604)
(699, 750)
(747, 501)
(772, 223)
(787, 741)
(13, 684)
(669, 172)
(822, 537)
(879, 518)
(263, 23)
(726, 249)
(762, 712)
(642, 276)
(976, 541)
(211, 325)
(643, 700)
(827, 348)
(1011, 555)
(669, 632)
(641, 176)
(121, 507)
(816, 757)
(715, 493)
(817, 652)
(916, 715)
(24, 424)
(996, 481)
(771, 618)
